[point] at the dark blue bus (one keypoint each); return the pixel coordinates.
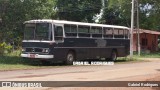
(67, 41)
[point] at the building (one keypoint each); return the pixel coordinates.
(148, 40)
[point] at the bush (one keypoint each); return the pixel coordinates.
(4, 48)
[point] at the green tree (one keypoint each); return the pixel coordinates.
(119, 12)
(15, 12)
(149, 14)
(77, 10)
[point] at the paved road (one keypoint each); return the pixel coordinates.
(119, 72)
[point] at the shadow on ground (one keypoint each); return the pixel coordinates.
(14, 60)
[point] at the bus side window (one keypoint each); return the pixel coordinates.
(108, 33)
(126, 33)
(120, 33)
(96, 32)
(83, 31)
(115, 32)
(58, 33)
(70, 30)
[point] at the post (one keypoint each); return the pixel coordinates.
(139, 47)
(103, 4)
(131, 31)
(103, 7)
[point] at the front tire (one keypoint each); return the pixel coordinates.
(70, 58)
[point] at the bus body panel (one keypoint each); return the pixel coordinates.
(85, 48)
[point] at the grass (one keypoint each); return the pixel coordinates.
(13, 61)
(137, 58)
(148, 55)
(128, 59)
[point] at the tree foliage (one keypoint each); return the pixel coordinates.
(15, 12)
(116, 12)
(150, 11)
(78, 10)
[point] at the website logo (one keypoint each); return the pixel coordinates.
(6, 84)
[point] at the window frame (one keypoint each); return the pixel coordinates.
(59, 25)
(70, 31)
(100, 32)
(86, 33)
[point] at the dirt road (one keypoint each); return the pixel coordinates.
(141, 71)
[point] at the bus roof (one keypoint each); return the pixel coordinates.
(74, 23)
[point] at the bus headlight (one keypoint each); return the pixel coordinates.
(23, 49)
(45, 50)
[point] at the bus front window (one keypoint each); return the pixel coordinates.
(38, 31)
(29, 31)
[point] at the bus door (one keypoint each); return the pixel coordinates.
(58, 33)
(59, 41)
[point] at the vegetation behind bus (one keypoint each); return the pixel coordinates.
(14, 12)
(4, 48)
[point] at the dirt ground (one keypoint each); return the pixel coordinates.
(141, 71)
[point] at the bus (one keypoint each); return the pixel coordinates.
(68, 41)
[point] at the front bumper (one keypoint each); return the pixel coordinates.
(37, 56)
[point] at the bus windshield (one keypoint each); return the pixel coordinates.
(37, 31)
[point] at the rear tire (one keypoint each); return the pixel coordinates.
(113, 56)
(70, 58)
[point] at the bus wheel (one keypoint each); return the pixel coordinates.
(70, 58)
(113, 56)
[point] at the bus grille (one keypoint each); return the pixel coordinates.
(34, 50)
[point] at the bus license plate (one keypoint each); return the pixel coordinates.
(32, 55)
